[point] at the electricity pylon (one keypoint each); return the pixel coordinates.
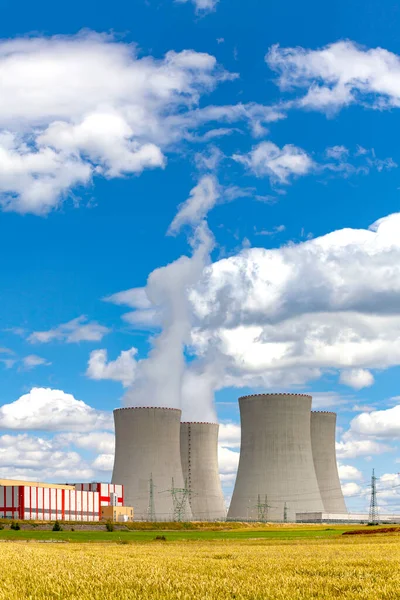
(373, 507)
(151, 511)
(262, 508)
(179, 500)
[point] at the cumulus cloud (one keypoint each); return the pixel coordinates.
(229, 435)
(355, 448)
(280, 164)
(287, 314)
(121, 369)
(103, 462)
(347, 472)
(46, 409)
(75, 107)
(352, 489)
(338, 75)
(357, 378)
(98, 441)
(77, 330)
(32, 458)
(379, 423)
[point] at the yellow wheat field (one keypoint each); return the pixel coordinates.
(256, 570)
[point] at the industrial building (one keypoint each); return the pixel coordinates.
(36, 501)
(199, 456)
(109, 494)
(276, 476)
(148, 463)
(323, 436)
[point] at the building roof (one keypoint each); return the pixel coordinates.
(7, 482)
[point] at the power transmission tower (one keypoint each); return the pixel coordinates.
(262, 508)
(285, 513)
(373, 507)
(151, 511)
(179, 500)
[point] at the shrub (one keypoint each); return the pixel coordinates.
(15, 525)
(72, 528)
(109, 525)
(57, 526)
(1, 527)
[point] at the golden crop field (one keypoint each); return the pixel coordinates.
(353, 568)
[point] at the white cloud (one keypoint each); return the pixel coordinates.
(229, 435)
(357, 378)
(202, 199)
(323, 400)
(104, 462)
(355, 448)
(380, 423)
(121, 369)
(99, 441)
(202, 6)
(285, 315)
(32, 360)
(77, 330)
(347, 472)
(52, 410)
(339, 74)
(280, 164)
(135, 298)
(36, 459)
(337, 152)
(352, 489)
(228, 460)
(75, 107)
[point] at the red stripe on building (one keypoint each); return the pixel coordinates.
(21, 502)
(37, 503)
(63, 504)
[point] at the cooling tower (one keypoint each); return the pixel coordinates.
(199, 456)
(323, 429)
(276, 476)
(148, 463)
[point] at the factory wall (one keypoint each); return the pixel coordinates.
(323, 430)
(148, 463)
(276, 465)
(106, 490)
(199, 456)
(39, 503)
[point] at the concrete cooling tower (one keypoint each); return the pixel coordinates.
(276, 475)
(148, 463)
(199, 456)
(323, 429)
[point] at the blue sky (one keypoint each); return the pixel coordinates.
(262, 126)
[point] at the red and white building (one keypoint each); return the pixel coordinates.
(26, 500)
(110, 494)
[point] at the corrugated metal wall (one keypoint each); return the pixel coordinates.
(49, 504)
(105, 490)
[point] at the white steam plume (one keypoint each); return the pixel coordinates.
(159, 377)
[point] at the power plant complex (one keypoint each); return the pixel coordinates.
(287, 467)
(167, 470)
